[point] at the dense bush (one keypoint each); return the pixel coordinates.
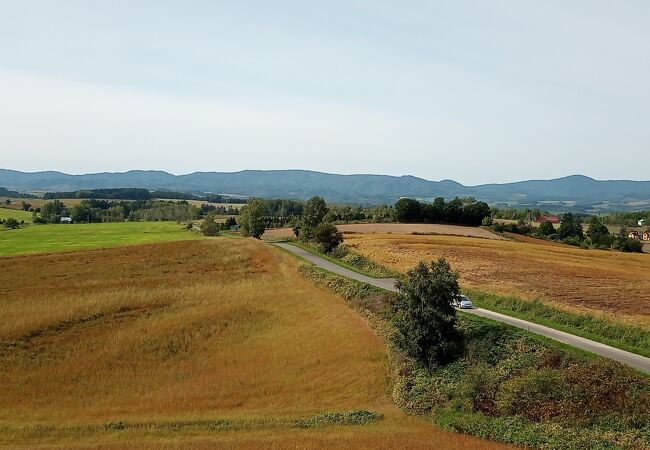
(510, 387)
(209, 227)
(11, 223)
(327, 237)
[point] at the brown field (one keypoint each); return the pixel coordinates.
(394, 228)
(408, 228)
(612, 283)
(170, 333)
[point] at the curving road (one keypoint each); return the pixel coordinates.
(631, 359)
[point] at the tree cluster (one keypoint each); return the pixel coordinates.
(466, 211)
(316, 226)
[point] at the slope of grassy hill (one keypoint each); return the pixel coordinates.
(196, 344)
(17, 214)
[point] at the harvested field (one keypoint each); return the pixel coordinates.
(278, 233)
(196, 344)
(394, 228)
(612, 283)
(410, 228)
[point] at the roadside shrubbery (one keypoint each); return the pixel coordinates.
(511, 387)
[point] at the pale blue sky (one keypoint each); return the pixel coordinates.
(476, 91)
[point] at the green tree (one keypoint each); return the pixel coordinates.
(251, 219)
(11, 223)
(327, 236)
(546, 228)
(597, 227)
(209, 227)
(408, 210)
(313, 212)
(423, 313)
(52, 211)
(82, 213)
(570, 227)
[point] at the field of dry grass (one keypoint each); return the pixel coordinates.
(394, 228)
(197, 344)
(424, 228)
(607, 282)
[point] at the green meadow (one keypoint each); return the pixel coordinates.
(17, 214)
(59, 237)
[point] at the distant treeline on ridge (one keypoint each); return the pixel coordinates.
(139, 194)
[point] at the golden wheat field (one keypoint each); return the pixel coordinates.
(214, 343)
(608, 282)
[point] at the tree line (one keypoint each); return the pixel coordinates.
(458, 211)
(571, 232)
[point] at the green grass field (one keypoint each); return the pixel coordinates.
(17, 214)
(57, 238)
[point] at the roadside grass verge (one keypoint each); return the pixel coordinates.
(62, 238)
(626, 337)
(352, 261)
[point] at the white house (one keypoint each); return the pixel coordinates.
(65, 220)
(641, 222)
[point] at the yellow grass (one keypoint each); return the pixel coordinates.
(611, 283)
(394, 228)
(182, 331)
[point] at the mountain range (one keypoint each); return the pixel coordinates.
(571, 192)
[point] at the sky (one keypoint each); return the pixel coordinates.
(475, 91)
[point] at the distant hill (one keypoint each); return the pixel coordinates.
(574, 192)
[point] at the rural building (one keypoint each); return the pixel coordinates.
(641, 222)
(552, 219)
(65, 220)
(634, 235)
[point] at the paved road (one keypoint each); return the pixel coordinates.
(631, 359)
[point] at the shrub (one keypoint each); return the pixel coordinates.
(11, 223)
(340, 251)
(536, 395)
(327, 236)
(546, 228)
(414, 391)
(481, 385)
(209, 227)
(356, 417)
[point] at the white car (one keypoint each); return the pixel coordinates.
(463, 302)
